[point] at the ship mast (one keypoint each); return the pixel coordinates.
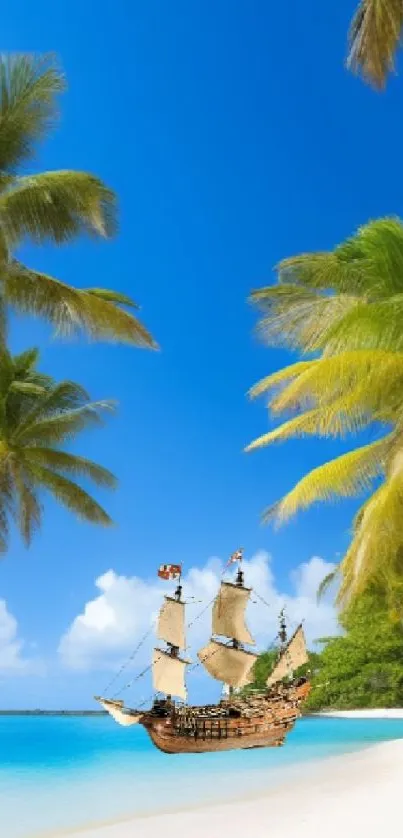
(293, 653)
(168, 668)
(230, 662)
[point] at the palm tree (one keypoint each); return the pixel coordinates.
(374, 37)
(344, 306)
(348, 298)
(37, 418)
(54, 206)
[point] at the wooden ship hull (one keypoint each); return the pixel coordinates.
(259, 722)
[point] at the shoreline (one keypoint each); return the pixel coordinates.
(360, 788)
(375, 713)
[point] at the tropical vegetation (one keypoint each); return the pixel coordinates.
(342, 310)
(374, 37)
(361, 667)
(53, 206)
(38, 418)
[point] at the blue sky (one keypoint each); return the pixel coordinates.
(234, 137)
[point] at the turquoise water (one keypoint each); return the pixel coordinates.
(60, 772)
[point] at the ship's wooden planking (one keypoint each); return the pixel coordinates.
(199, 732)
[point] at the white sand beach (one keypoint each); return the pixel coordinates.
(386, 713)
(354, 795)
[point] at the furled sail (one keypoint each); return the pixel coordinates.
(171, 622)
(233, 666)
(229, 613)
(115, 709)
(294, 655)
(169, 674)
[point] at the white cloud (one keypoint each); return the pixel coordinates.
(12, 656)
(112, 623)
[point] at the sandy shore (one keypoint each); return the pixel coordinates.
(355, 794)
(395, 713)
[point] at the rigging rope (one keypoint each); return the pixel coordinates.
(129, 660)
(134, 653)
(140, 675)
(262, 600)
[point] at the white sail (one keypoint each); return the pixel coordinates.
(171, 623)
(294, 655)
(115, 709)
(169, 674)
(229, 613)
(232, 666)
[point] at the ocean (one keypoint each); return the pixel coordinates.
(66, 772)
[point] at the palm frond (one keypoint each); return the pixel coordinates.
(326, 583)
(27, 388)
(300, 318)
(376, 250)
(72, 496)
(29, 87)
(280, 377)
(58, 428)
(374, 37)
(26, 361)
(62, 397)
(70, 463)
(70, 310)
(368, 326)
(377, 541)
(29, 512)
(57, 206)
(6, 370)
(368, 263)
(362, 377)
(33, 420)
(6, 501)
(324, 271)
(112, 296)
(346, 476)
(334, 420)
(58, 401)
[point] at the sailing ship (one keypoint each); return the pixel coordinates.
(243, 718)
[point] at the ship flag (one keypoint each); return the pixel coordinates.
(235, 557)
(170, 571)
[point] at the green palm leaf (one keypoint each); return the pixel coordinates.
(26, 361)
(29, 87)
(374, 37)
(58, 206)
(361, 377)
(347, 304)
(34, 423)
(326, 583)
(298, 317)
(71, 310)
(61, 427)
(61, 398)
(336, 420)
(374, 552)
(28, 510)
(70, 463)
(280, 377)
(70, 494)
(346, 476)
(111, 296)
(375, 326)
(53, 206)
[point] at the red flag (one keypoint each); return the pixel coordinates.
(235, 557)
(169, 571)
